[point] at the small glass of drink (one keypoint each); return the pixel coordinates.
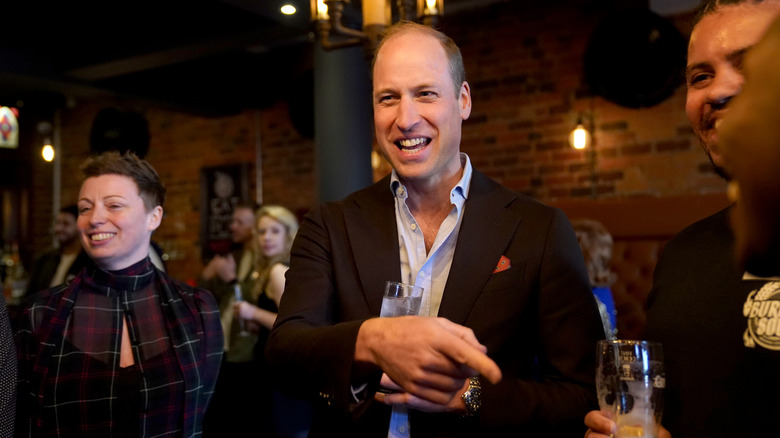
(401, 299)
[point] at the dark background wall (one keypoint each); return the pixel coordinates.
(524, 61)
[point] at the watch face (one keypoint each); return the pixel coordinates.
(472, 398)
(475, 398)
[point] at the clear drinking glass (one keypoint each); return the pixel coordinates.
(630, 383)
(238, 296)
(400, 299)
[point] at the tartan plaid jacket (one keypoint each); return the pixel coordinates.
(68, 342)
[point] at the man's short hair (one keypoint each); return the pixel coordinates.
(128, 164)
(707, 7)
(247, 205)
(71, 209)
(451, 50)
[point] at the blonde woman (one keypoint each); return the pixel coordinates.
(275, 230)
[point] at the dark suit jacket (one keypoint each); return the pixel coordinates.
(538, 319)
(46, 266)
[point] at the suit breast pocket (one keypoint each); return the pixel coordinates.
(504, 310)
(507, 279)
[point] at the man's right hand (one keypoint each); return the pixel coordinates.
(601, 426)
(222, 266)
(427, 357)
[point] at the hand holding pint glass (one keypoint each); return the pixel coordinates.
(630, 381)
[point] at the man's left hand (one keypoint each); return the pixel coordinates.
(455, 404)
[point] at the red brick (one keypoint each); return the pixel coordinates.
(523, 62)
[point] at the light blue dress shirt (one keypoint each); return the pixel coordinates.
(429, 270)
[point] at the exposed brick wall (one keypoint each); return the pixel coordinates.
(180, 145)
(288, 162)
(525, 70)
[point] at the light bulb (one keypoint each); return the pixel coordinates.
(430, 7)
(48, 153)
(321, 11)
(579, 138)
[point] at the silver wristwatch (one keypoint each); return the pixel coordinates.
(472, 398)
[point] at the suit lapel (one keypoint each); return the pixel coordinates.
(373, 237)
(485, 232)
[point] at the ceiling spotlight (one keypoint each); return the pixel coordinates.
(288, 9)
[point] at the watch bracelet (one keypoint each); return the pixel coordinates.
(472, 397)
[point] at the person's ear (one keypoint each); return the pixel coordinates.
(154, 218)
(465, 100)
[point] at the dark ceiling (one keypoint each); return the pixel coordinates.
(209, 58)
(203, 57)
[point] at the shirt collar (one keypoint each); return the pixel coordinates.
(461, 188)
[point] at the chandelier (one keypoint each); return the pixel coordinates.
(329, 16)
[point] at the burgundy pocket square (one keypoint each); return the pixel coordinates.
(503, 264)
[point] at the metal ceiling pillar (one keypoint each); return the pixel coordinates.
(343, 118)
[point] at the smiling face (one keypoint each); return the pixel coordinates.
(113, 222)
(271, 236)
(418, 111)
(750, 141)
(714, 71)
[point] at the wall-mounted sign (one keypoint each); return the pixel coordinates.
(221, 189)
(9, 127)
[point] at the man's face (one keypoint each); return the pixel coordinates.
(714, 71)
(750, 141)
(417, 111)
(241, 225)
(65, 229)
